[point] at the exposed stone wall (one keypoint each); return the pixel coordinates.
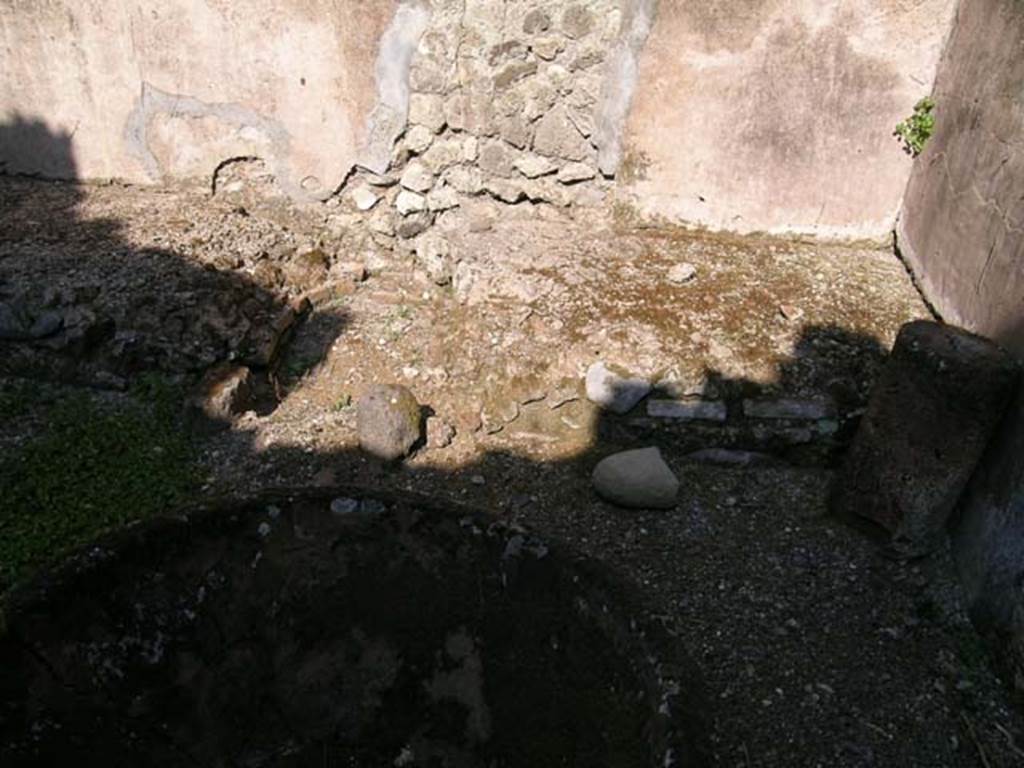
(503, 103)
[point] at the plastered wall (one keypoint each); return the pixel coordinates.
(730, 114)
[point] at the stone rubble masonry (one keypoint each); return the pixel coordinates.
(510, 93)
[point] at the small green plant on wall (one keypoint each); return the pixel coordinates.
(915, 131)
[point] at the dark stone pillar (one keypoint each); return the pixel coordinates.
(936, 406)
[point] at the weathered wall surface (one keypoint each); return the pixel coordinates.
(777, 115)
(153, 90)
(962, 232)
(748, 116)
(962, 225)
(504, 101)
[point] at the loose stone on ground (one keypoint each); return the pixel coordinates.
(390, 422)
(638, 479)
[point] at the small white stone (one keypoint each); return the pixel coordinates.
(427, 109)
(638, 479)
(364, 197)
(417, 177)
(409, 202)
(612, 391)
(470, 149)
(418, 139)
(682, 273)
(443, 199)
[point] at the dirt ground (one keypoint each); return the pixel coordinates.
(817, 650)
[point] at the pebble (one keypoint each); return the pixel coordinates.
(409, 202)
(682, 273)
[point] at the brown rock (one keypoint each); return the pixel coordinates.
(389, 421)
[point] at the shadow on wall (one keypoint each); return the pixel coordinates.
(29, 146)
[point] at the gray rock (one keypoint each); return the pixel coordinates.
(557, 136)
(414, 224)
(417, 177)
(613, 391)
(434, 255)
(513, 73)
(418, 139)
(638, 479)
(547, 48)
(443, 154)
(467, 180)
(427, 110)
(47, 324)
(344, 506)
(440, 434)
(534, 166)
(506, 191)
(515, 131)
(442, 199)
(575, 172)
(17, 324)
(410, 202)
(389, 421)
(495, 158)
(577, 21)
(731, 458)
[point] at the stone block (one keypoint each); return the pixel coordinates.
(688, 410)
(930, 416)
(807, 409)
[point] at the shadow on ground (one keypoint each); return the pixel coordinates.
(794, 619)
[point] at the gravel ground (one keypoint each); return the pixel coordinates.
(816, 650)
